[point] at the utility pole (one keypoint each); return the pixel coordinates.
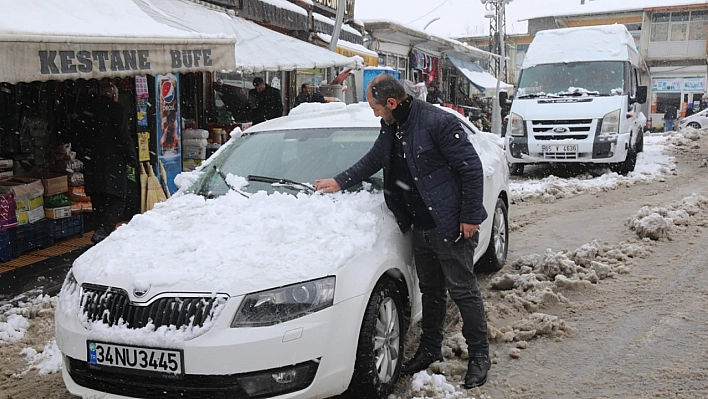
(497, 30)
(339, 20)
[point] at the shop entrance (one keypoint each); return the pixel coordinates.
(691, 103)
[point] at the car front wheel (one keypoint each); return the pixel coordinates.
(380, 351)
(495, 256)
(516, 169)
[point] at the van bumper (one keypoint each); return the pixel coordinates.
(601, 149)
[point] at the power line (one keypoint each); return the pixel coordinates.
(429, 12)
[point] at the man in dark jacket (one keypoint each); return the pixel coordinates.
(670, 118)
(434, 95)
(433, 184)
(305, 95)
(108, 150)
(265, 102)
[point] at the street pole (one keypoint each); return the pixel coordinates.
(341, 5)
(496, 107)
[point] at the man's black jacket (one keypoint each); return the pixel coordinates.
(268, 104)
(443, 163)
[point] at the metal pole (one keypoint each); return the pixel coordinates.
(496, 107)
(341, 4)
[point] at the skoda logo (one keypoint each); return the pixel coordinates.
(140, 293)
(561, 129)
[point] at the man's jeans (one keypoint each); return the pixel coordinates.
(669, 125)
(444, 268)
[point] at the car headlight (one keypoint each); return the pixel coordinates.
(278, 305)
(610, 122)
(516, 124)
(70, 283)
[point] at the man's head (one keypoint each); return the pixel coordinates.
(384, 94)
(305, 88)
(432, 87)
(108, 89)
(258, 84)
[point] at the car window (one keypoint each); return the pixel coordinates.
(298, 155)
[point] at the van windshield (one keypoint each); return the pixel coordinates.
(595, 78)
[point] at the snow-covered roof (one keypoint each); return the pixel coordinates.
(257, 48)
(348, 45)
(589, 43)
(330, 21)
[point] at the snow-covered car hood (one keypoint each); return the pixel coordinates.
(232, 244)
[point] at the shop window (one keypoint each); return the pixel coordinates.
(659, 32)
(698, 26)
(679, 26)
(678, 32)
(665, 99)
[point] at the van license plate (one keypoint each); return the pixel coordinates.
(560, 148)
(135, 358)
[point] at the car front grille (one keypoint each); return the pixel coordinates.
(578, 129)
(112, 306)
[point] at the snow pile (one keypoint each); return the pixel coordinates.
(656, 223)
(15, 320)
(47, 361)
(686, 141)
(652, 164)
(538, 283)
(424, 385)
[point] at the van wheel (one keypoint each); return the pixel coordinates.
(639, 145)
(495, 256)
(623, 168)
(516, 169)
(379, 354)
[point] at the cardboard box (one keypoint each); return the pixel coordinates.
(54, 183)
(58, 213)
(28, 193)
(194, 152)
(5, 163)
(30, 216)
(6, 174)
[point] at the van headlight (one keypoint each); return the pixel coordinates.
(278, 305)
(610, 122)
(516, 124)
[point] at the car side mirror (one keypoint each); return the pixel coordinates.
(641, 96)
(503, 97)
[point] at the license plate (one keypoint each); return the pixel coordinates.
(559, 148)
(167, 362)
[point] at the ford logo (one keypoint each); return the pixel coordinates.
(561, 129)
(140, 293)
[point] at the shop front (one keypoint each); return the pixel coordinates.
(55, 73)
(684, 92)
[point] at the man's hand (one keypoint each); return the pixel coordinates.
(468, 230)
(327, 186)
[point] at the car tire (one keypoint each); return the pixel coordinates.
(694, 125)
(516, 169)
(379, 354)
(623, 168)
(495, 256)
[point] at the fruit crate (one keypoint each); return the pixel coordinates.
(18, 240)
(67, 227)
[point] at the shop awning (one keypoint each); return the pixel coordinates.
(482, 80)
(371, 58)
(44, 40)
(257, 48)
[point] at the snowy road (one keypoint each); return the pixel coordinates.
(584, 308)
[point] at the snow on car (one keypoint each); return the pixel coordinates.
(698, 120)
(247, 283)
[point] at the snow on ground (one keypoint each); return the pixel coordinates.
(653, 164)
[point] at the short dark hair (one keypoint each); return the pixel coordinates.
(257, 81)
(386, 86)
(304, 85)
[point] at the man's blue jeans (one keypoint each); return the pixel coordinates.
(444, 268)
(669, 125)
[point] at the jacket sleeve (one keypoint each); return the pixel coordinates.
(369, 164)
(461, 155)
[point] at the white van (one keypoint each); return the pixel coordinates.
(578, 100)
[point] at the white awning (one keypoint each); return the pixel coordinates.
(482, 80)
(44, 40)
(257, 48)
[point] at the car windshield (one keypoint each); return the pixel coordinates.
(285, 160)
(602, 78)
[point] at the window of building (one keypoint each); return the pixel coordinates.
(679, 26)
(665, 99)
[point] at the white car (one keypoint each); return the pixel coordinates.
(246, 284)
(698, 120)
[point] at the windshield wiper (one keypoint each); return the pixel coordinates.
(223, 177)
(536, 95)
(579, 93)
(287, 183)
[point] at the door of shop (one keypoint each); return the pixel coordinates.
(691, 100)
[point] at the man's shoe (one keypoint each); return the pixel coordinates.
(99, 235)
(420, 361)
(477, 368)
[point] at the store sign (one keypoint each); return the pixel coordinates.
(29, 61)
(694, 84)
(666, 84)
(331, 6)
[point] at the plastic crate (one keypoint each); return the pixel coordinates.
(6, 254)
(29, 236)
(67, 227)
